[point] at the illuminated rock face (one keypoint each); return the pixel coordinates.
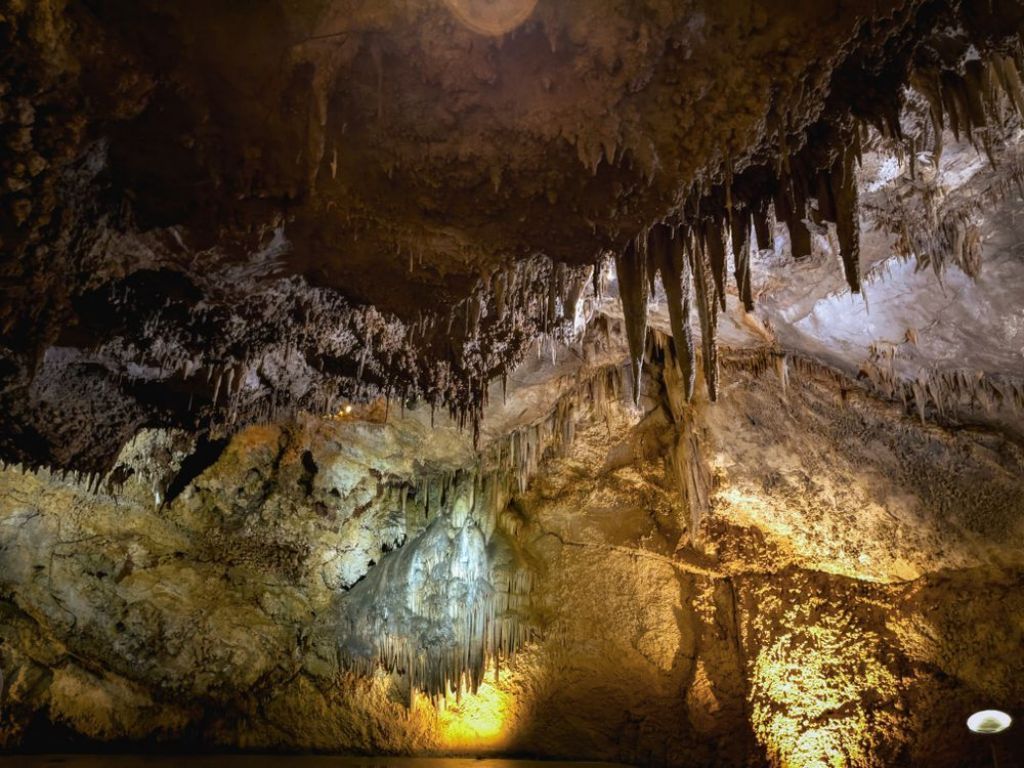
(283, 595)
(647, 371)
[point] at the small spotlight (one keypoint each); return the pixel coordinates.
(989, 721)
(491, 17)
(348, 409)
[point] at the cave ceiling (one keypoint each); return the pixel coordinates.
(219, 213)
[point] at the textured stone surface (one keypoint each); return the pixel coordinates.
(217, 214)
(319, 296)
(849, 610)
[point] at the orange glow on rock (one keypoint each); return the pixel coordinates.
(477, 720)
(492, 17)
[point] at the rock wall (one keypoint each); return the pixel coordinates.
(842, 590)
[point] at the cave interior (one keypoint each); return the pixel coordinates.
(626, 381)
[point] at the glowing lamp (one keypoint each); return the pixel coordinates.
(989, 721)
(492, 17)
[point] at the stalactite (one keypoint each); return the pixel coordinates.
(707, 311)
(740, 226)
(762, 224)
(968, 90)
(843, 193)
(473, 311)
(938, 230)
(668, 249)
(574, 293)
(782, 369)
(975, 84)
(467, 532)
(945, 392)
(633, 286)
(714, 247)
(791, 207)
(1006, 74)
(800, 235)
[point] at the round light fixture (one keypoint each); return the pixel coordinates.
(492, 17)
(989, 721)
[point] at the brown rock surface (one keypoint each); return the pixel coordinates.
(349, 358)
(216, 213)
(848, 611)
